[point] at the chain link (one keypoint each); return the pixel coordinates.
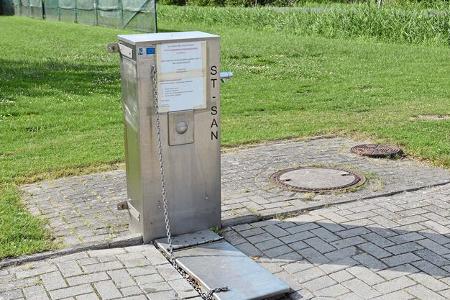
(161, 162)
(171, 257)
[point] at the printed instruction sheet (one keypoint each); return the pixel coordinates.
(181, 76)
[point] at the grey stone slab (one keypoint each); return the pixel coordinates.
(107, 289)
(71, 291)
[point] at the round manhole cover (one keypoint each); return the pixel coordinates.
(377, 150)
(312, 179)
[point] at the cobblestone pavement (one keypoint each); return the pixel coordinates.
(133, 273)
(82, 209)
(394, 247)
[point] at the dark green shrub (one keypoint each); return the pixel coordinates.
(245, 3)
(172, 2)
(206, 2)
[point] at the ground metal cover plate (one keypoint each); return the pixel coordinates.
(217, 263)
(316, 179)
(220, 264)
(377, 150)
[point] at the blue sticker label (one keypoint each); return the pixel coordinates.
(150, 51)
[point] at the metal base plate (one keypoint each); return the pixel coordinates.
(219, 264)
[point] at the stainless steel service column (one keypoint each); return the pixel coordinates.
(187, 65)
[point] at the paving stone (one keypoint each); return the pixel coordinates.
(342, 253)
(366, 275)
(433, 246)
(69, 268)
(87, 278)
(374, 250)
(131, 291)
(148, 279)
(277, 251)
(269, 244)
(164, 295)
(71, 291)
(338, 265)
(319, 245)
(318, 283)
(295, 267)
(249, 249)
(309, 274)
(332, 291)
(183, 288)
(106, 252)
(265, 236)
(369, 261)
(91, 296)
(378, 240)
(352, 241)
(121, 278)
(404, 248)
(360, 288)
(394, 285)
(428, 281)
(422, 292)
(36, 292)
(155, 287)
(341, 276)
(142, 270)
(107, 266)
(251, 232)
(53, 281)
(35, 271)
(276, 231)
(107, 289)
(300, 236)
(11, 294)
(430, 268)
(398, 295)
(400, 259)
(325, 234)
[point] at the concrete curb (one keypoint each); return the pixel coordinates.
(294, 212)
(130, 240)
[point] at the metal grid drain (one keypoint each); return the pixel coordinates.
(317, 179)
(377, 150)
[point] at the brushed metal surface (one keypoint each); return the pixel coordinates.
(192, 170)
(219, 264)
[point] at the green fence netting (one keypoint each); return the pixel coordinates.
(134, 14)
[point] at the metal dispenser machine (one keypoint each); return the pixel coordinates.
(171, 101)
(170, 84)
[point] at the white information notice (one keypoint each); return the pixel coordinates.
(181, 76)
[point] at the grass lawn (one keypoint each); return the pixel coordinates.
(60, 110)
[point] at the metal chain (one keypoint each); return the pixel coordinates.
(171, 257)
(161, 162)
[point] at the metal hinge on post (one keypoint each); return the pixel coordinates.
(113, 47)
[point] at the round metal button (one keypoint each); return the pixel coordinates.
(181, 127)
